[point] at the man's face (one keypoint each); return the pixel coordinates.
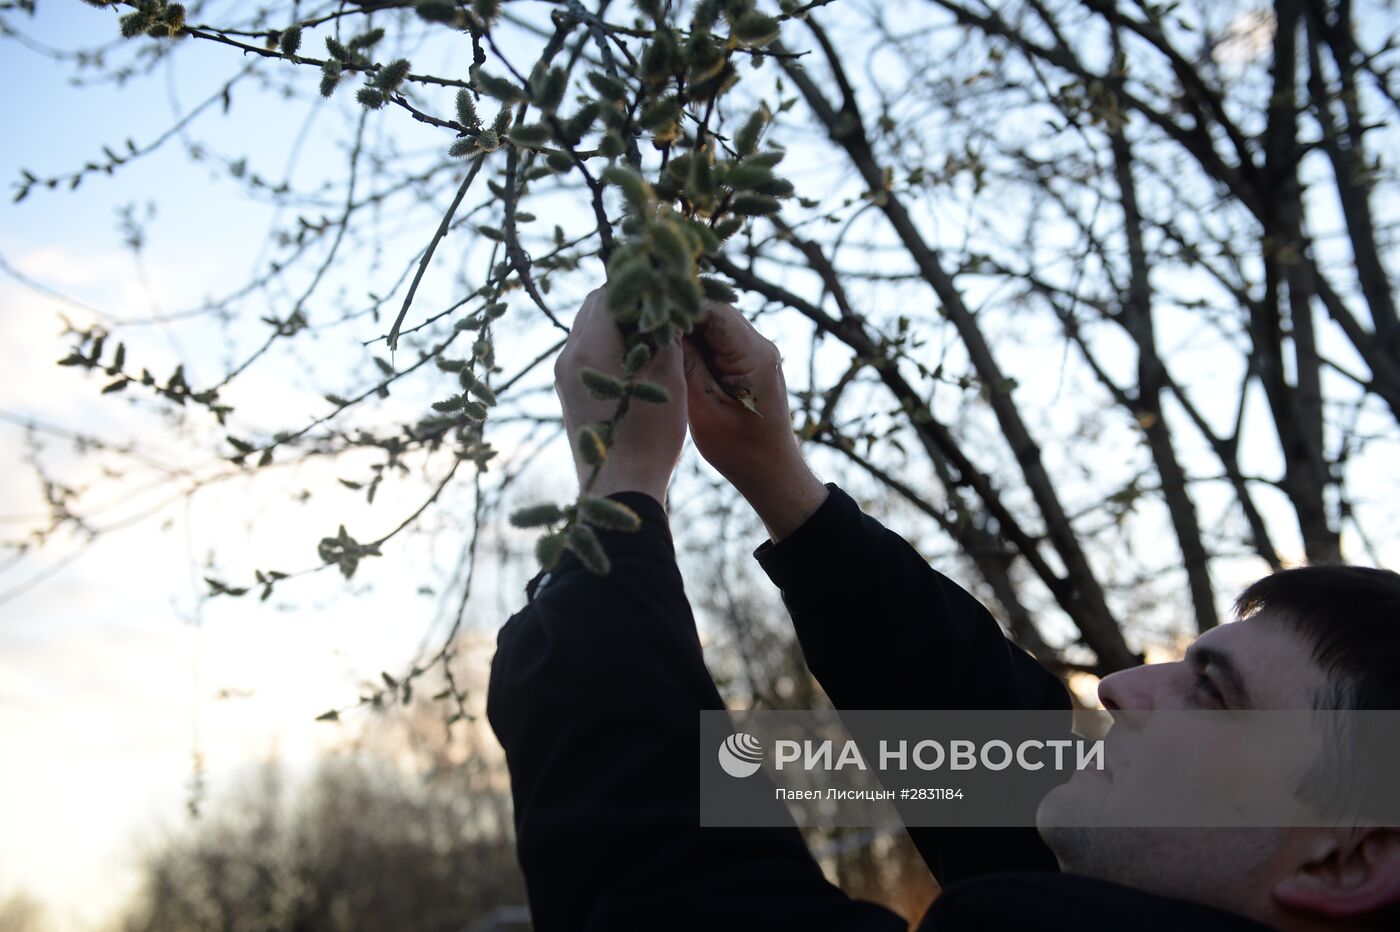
(1177, 762)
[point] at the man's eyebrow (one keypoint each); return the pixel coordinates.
(1203, 656)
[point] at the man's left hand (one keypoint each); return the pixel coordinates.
(648, 439)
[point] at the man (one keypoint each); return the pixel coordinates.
(598, 681)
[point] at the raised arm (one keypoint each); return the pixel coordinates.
(879, 627)
(595, 694)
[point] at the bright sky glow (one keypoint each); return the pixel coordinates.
(114, 668)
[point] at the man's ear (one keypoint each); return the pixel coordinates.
(1349, 873)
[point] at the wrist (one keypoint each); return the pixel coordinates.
(607, 484)
(784, 498)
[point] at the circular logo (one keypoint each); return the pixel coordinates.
(740, 755)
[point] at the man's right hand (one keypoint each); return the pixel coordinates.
(757, 452)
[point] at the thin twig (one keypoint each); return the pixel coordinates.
(514, 253)
(432, 247)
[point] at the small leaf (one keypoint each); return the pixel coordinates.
(755, 28)
(133, 24)
(330, 77)
(746, 140)
(700, 185)
(367, 39)
(337, 51)
(728, 227)
(530, 134)
(537, 516)
(599, 384)
(549, 91)
(717, 289)
(591, 446)
(483, 391)
(499, 88)
(437, 11)
(649, 392)
(392, 75)
(626, 285)
(661, 114)
(611, 145)
(609, 514)
(638, 193)
(608, 87)
(448, 405)
(290, 40)
(755, 205)
(766, 159)
(466, 111)
(585, 544)
(637, 358)
(370, 97)
(775, 187)
(218, 587)
(548, 549)
(502, 123)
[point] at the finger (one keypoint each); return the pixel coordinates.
(586, 312)
(728, 333)
(727, 319)
(701, 387)
(579, 324)
(668, 362)
(598, 336)
(695, 369)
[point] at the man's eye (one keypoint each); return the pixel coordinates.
(1206, 685)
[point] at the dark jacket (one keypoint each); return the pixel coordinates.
(594, 694)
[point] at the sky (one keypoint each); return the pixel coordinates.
(115, 667)
(114, 670)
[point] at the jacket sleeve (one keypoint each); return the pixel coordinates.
(881, 629)
(595, 693)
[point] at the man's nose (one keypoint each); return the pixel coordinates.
(1129, 691)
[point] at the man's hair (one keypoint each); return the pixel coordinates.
(1350, 615)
